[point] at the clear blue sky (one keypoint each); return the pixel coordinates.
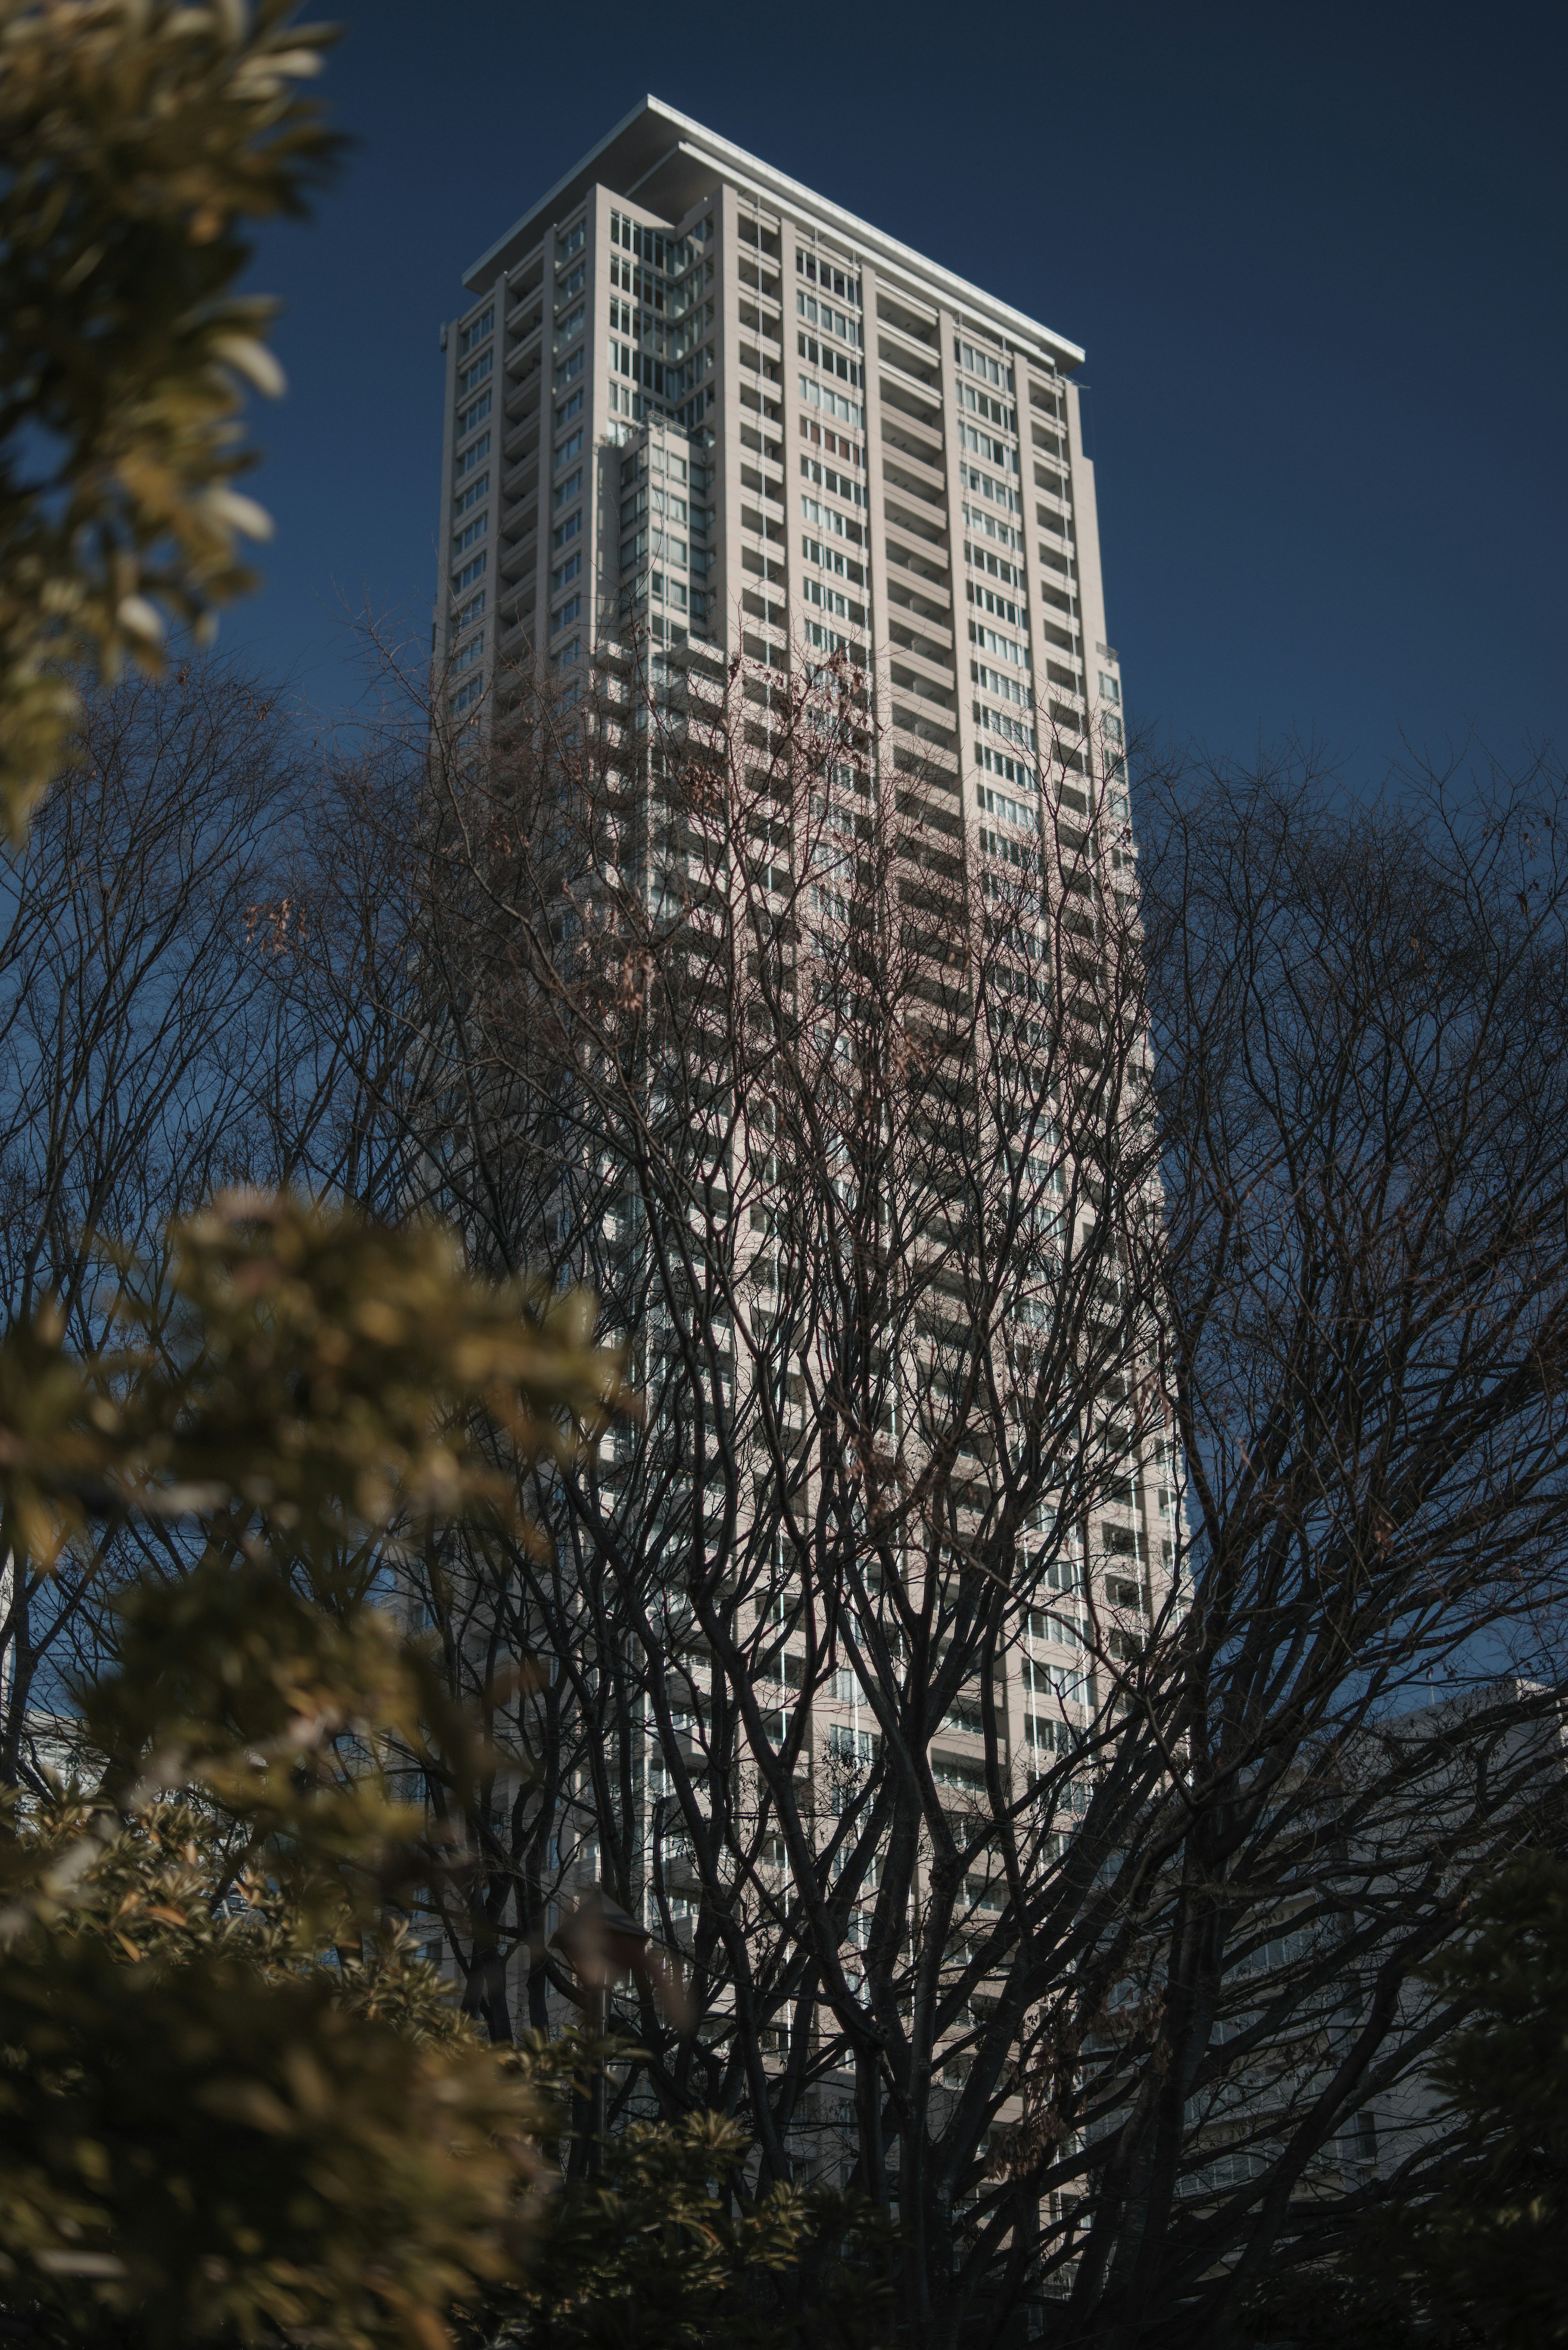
(1317, 258)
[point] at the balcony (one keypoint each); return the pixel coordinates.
(914, 470)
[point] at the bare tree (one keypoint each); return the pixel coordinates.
(1049, 1854)
(138, 1046)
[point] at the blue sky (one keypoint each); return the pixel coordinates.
(1317, 259)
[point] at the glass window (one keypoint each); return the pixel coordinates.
(983, 363)
(475, 333)
(468, 419)
(821, 272)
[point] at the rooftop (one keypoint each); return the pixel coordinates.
(668, 162)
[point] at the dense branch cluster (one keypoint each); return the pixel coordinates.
(1059, 1639)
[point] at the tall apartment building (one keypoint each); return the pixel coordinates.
(690, 402)
(689, 387)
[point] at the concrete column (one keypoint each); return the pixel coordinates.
(952, 411)
(790, 442)
(877, 602)
(726, 384)
(1086, 529)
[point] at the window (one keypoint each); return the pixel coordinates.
(1016, 615)
(990, 642)
(832, 404)
(474, 650)
(469, 572)
(1008, 689)
(564, 571)
(569, 448)
(572, 242)
(672, 255)
(995, 411)
(994, 451)
(980, 558)
(831, 362)
(997, 804)
(566, 530)
(828, 640)
(831, 321)
(821, 272)
(475, 415)
(474, 333)
(463, 539)
(1015, 771)
(471, 495)
(570, 488)
(852, 1746)
(569, 326)
(997, 492)
(840, 526)
(829, 600)
(1012, 730)
(469, 614)
(569, 408)
(565, 655)
(852, 493)
(1109, 690)
(471, 377)
(465, 696)
(571, 284)
(982, 363)
(976, 518)
(569, 612)
(569, 369)
(830, 559)
(472, 457)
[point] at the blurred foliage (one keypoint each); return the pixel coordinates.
(206, 2126)
(137, 136)
(1485, 2256)
(1481, 2259)
(647, 2253)
(209, 2129)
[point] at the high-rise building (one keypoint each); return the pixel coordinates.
(690, 390)
(692, 405)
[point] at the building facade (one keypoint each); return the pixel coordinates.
(688, 390)
(692, 405)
